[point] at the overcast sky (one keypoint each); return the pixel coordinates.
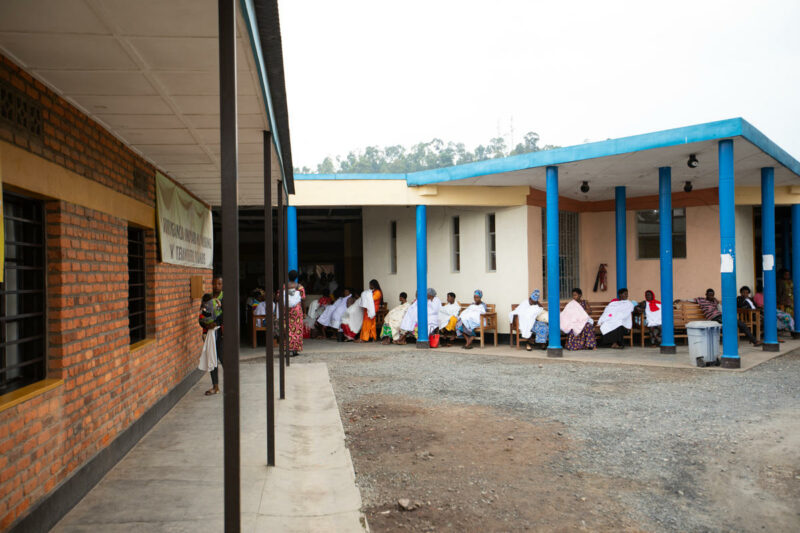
(372, 72)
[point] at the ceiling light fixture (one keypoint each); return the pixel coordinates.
(585, 187)
(687, 187)
(692, 162)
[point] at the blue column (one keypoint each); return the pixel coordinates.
(768, 258)
(665, 255)
(422, 277)
(553, 277)
(291, 230)
(727, 248)
(796, 269)
(622, 237)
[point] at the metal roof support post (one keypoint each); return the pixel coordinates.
(665, 259)
(230, 260)
(796, 269)
(285, 265)
(291, 227)
(768, 260)
(622, 237)
(422, 277)
(269, 291)
(553, 281)
(727, 243)
(281, 294)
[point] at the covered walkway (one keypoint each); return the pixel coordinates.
(172, 479)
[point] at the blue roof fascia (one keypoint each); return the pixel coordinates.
(249, 14)
(752, 134)
(689, 134)
(327, 177)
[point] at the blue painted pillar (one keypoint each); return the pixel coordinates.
(553, 276)
(422, 277)
(796, 269)
(727, 245)
(768, 259)
(665, 255)
(291, 232)
(622, 237)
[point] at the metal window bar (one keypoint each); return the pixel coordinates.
(569, 252)
(456, 259)
(393, 247)
(491, 244)
(137, 300)
(22, 346)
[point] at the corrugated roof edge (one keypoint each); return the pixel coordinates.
(268, 50)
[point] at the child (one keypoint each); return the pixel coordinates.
(206, 318)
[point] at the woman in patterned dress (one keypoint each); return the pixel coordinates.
(586, 339)
(296, 296)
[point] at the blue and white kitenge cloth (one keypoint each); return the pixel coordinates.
(541, 331)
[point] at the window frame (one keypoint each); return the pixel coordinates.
(392, 247)
(674, 235)
(44, 370)
(491, 253)
(455, 244)
(143, 263)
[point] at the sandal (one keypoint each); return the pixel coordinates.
(529, 347)
(212, 391)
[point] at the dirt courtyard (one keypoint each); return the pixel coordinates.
(478, 443)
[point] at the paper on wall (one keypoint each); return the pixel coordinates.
(726, 263)
(768, 262)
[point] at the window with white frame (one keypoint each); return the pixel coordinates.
(393, 247)
(455, 256)
(491, 243)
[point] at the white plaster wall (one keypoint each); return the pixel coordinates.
(745, 248)
(507, 285)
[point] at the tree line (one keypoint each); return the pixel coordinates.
(422, 156)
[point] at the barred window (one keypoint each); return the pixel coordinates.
(137, 309)
(22, 295)
(393, 247)
(491, 243)
(455, 259)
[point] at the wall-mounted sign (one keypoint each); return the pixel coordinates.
(185, 231)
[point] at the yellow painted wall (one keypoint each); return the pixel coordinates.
(535, 249)
(509, 284)
(396, 192)
(784, 195)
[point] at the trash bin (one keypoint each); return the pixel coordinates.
(704, 342)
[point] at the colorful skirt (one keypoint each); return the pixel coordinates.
(541, 330)
(583, 341)
(296, 328)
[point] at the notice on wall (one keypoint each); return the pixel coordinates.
(185, 231)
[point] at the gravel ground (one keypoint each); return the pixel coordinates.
(707, 450)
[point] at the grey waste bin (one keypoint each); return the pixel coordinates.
(703, 342)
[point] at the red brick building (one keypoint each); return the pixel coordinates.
(98, 336)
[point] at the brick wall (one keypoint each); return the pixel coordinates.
(107, 386)
(73, 140)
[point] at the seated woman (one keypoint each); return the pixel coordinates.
(652, 316)
(448, 318)
(578, 325)
(332, 316)
(616, 321)
(785, 320)
(470, 319)
(434, 305)
(352, 320)
(526, 313)
(409, 322)
(391, 324)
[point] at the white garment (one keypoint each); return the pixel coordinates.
(367, 303)
(447, 311)
(616, 314)
(434, 305)
(315, 310)
(353, 317)
(261, 309)
(471, 316)
(410, 318)
(750, 303)
(394, 318)
(332, 316)
(653, 317)
(208, 356)
(527, 314)
(294, 298)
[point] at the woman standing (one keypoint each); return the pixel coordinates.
(585, 340)
(368, 329)
(296, 296)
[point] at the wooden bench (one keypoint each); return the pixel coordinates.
(254, 329)
(488, 322)
(685, 312)
(380, 316)
(752, 318)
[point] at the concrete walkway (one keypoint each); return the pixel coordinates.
(173, 478)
